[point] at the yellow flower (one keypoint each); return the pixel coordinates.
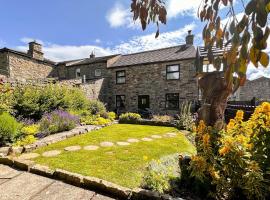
(266, 107)
(201, 127)
(239, 115)
(224, 150)
(231, 124)
(145, 157)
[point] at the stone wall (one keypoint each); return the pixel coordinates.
(151, 80)
(4, 64)
(23, 68)
(259, 88)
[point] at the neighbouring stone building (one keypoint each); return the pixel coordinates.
(258, 88)
(24, 66)
(158, 80)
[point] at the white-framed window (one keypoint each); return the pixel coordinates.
(78, 73)
(97, 72)
(172, 72)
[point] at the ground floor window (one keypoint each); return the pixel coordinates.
(172, 101)
(120, 101)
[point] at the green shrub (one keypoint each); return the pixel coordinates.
(57, 121)
(32, 129)
(9, 128)
(6, 98)
(94, 120)
(129, 118)
(112, 116)
(186, 120)
(29, 139)
(162, 175)
(96, 107)
(34, 101)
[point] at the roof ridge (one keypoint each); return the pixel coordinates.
(155, 50)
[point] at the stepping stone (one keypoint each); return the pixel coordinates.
(73, 148)
(91, 148)
(156, 136)
(174, 134)
(147, 139)
(170, 135)
(52, 153)
(28, 156)
(123, 143)
(106, 144)
(131, 140)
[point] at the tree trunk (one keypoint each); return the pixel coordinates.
(215, 93)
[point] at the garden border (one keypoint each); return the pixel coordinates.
(86, 182)
(53, 138)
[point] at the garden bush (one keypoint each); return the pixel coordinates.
(186, 120)
(57, 121)
(33, 101)
(162, 175)
(111, 116)
(9, 128)
(129, 118)
(96, 107)
(234, 162)
(94, 120)
(27, 135)
(6, 98)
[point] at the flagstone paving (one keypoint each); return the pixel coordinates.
(123, 143)
(73, 148)
(28, 156)
(156, 136)
(52, 153)
(91, 148)
(146, 139)
(132, 140)
(106, 144)
(18, 185)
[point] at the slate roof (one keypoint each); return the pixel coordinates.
(87, 60)
(26, 55)
(181, 52)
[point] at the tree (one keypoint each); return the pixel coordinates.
(244, 41)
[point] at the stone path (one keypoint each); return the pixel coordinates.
(18, 185)
(53, 153)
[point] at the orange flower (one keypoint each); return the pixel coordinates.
(206, 138)
(224, 150)
(201, 127)
(231, 124)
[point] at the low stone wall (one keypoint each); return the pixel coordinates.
(87, 182)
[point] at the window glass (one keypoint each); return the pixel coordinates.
(172, 72)
(98, 72)
(78, 73)
(172, 76)
(172, 101)
(173, 68)
(120, 101)
(120, 77)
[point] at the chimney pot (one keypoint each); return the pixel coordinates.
(92, 55)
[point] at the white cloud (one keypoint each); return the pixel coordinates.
(97, 41)
(149, 42)
(182, 7)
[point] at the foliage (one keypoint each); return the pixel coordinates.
(33, 101)
(5, 97)
(129, 118)
(252, 27)
(94, 120)
(161, 175)
(9, 128)
(96, 107)
(57, 121)
(186, 119)
(27, 135)
(29, 139)
(112, 116)
(162, 118)
(32, 129)
(235, 160)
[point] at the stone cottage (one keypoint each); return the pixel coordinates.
(158, 80)
(26, 66)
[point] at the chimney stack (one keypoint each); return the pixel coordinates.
(189, 38)
(35, 50)
(92, 55)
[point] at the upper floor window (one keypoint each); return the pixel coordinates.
(78, 73)
(172, 72)
(120, 77)
(172, 101)
(98, 72)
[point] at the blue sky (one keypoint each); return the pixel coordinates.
(70, 29)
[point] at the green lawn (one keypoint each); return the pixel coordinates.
(123, 165)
